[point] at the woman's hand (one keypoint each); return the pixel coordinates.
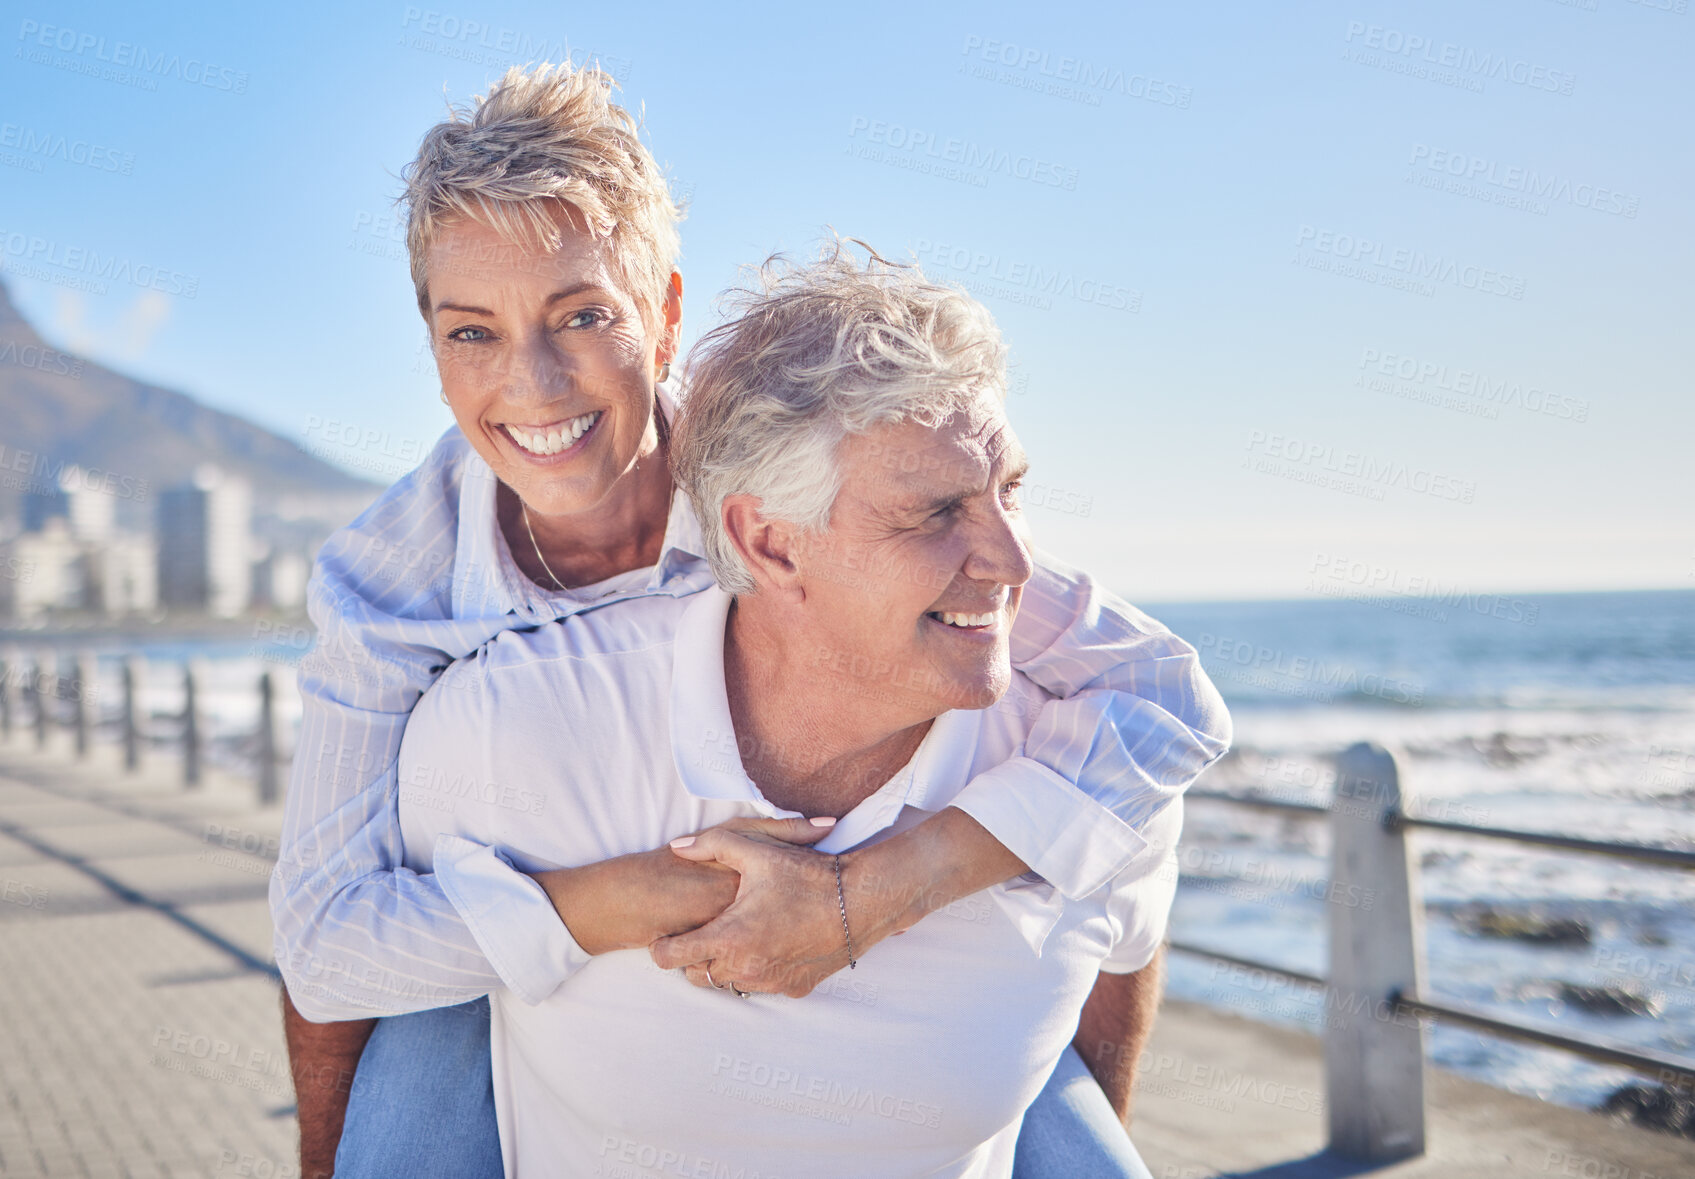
(783, 934)
(630, 901)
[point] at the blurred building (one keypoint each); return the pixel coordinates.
(279, 581)
(42, 571)
(72, 557)
(79, 499)
(206, 544)
(41, 505)
(124, 574)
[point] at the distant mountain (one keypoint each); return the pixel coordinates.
(58, 408)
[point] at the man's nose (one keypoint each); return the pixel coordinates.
(1000, 551)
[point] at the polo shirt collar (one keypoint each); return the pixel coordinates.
(708, 760)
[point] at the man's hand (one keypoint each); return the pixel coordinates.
(630, 901)
(783, 935)
(323, 1058)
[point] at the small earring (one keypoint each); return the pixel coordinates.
(665, 371)
(444, 398)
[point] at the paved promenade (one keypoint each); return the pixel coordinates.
(141, 1036)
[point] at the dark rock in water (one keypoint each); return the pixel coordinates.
(1528, 926)
(1505, 750)
(1655, 1107)
(1612, 999)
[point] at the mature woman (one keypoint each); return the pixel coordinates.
(543, 240)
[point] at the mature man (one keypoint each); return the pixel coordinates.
(846, 450)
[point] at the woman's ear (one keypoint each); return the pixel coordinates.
(766, 547)
(671, 317)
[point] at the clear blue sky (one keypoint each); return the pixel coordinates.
(1196, 224)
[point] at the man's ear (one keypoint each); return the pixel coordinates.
(766, 547)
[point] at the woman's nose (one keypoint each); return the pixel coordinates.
(537, 371)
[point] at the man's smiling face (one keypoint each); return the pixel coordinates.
(914, 585)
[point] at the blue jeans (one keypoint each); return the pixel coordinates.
(423, 1106)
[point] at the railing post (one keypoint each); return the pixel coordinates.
(8, 670)
(267, 742)
(132, 734)
(190, 729)
(38, 694)
(1373, 1054)
(82, 687)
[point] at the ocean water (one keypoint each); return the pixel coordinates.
(1568, 713)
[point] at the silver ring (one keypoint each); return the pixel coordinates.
(740, 994)
(717, 986)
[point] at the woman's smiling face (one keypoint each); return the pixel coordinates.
(545, 361)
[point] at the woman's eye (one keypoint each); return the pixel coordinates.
(468, 335)
(585, 319)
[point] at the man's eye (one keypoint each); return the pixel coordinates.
(468, 335)
(1010, 494)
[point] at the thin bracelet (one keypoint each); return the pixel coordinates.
(841, 901)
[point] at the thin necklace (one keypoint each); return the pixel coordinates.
(524, 508)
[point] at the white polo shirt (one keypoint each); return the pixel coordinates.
(609, 732)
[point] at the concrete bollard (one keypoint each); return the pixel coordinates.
(132, 673)
(1373, 1054)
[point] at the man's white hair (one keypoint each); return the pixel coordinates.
(540, 136)
(819, 352)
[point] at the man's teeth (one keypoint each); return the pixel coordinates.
(969, 619)
(546, 442)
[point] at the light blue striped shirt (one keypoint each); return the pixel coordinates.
(424, 577)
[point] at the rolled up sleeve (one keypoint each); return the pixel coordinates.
(511, 917)
(1134, 720)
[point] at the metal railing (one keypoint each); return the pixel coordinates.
(1374, 1048)
(38, 685)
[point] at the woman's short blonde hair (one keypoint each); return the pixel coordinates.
(551, 133)
(819, 352)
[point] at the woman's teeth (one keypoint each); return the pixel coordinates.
(546, 442)
(967, 619)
